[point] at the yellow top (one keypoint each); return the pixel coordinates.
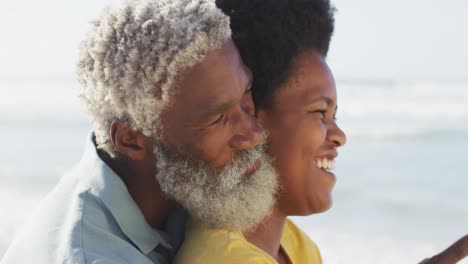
(208, 246)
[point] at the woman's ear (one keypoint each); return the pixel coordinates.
(130, 142)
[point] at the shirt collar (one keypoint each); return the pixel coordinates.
(110, 188)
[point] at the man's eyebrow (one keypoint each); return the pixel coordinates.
(217, 109)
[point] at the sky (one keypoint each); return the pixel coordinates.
(374, 39)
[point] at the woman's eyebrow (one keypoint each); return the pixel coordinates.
(328, 101)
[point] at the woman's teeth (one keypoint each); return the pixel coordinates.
(325, 164)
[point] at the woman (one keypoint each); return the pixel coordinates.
(284, 43)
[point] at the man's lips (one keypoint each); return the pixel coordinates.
(254, 167)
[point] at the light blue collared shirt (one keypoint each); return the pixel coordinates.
(90, 217)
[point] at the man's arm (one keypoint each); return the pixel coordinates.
(452, 254)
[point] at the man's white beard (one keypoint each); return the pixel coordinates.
(226, 199)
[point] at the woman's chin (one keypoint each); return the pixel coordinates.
(316, 207)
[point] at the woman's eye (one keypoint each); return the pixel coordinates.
(217, 119)
(322, 112)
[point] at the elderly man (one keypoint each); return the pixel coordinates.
(173, 120)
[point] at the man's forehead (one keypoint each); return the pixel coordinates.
(226, 53)
(214, 80)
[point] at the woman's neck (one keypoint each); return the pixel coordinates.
(267, 235)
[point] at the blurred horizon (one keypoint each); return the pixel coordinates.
(339, 79)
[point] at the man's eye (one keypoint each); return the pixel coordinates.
(221, 116)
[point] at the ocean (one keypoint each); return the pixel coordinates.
(402, 189)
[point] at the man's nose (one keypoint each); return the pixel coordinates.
(249, 132)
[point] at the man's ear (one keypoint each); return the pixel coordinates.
(130, 142)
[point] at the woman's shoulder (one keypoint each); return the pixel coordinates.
(204, 245)
(299, 246)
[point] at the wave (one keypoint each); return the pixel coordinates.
(384, 110)
(379, 109)
(404, 132)
(416, 101)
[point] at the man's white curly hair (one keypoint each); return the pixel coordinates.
(131, 58)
